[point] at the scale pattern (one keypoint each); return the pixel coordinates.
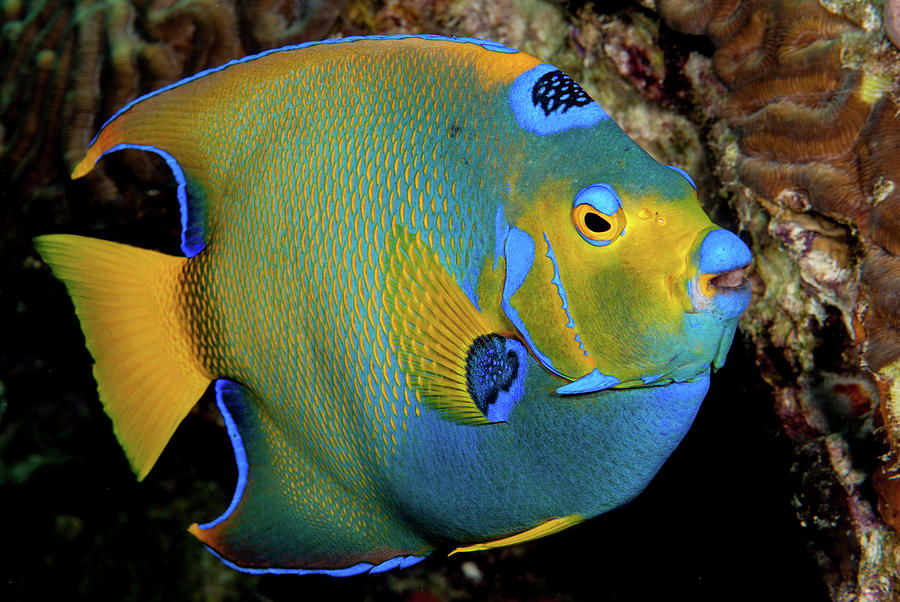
(327, 322)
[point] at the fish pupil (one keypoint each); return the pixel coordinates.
(490, 370)
(595, 223)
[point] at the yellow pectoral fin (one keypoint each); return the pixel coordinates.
(433, 326)
(548, 528)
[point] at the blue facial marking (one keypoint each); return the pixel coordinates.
(601, 197)
(591, 382)
(546, 101)
(731, 304)
(560, 290)
(722, 251)
(519, 253)
(685, 174)
(650, 379)
(580, 343)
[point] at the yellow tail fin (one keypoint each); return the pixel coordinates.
(127, 300)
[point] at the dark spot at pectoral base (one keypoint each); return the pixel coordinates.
(492, 367)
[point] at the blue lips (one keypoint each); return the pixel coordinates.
(722, 251)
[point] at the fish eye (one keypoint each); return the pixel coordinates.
(598, 214)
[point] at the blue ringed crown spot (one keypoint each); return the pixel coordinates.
(598, 215)
(547, 101)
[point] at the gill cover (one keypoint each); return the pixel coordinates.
(535, 298)
(546, 101)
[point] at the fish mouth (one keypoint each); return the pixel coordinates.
(730, 280)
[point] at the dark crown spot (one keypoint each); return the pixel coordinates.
(556, 90)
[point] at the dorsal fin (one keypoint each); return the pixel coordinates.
(165, 122)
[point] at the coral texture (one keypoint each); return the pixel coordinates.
(813, 101)
(66, 66)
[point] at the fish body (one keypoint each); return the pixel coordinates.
(444, 299)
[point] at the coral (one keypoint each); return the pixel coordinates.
(66, 66)
(812, 99)
(892, 21)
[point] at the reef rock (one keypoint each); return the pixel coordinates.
(812, 98)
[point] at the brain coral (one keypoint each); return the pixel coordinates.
(813, 101)
(815, 110)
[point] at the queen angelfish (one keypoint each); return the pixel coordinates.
(444, 300)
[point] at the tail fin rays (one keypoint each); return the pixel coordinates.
(148, 376)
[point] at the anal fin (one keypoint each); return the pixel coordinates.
(275, 522)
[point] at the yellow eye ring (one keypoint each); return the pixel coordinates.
(595, 227)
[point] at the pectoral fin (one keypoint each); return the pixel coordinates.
(456, 361)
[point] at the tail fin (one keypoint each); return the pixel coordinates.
(127, 300)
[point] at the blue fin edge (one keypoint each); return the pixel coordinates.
(191, 223)
(226, 387)
(401, 562)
